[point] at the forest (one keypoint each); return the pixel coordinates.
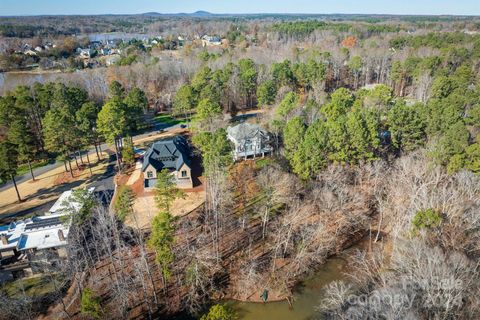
(375, 124)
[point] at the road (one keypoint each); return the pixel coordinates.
(157, 126)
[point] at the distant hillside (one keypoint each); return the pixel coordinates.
(196, 14)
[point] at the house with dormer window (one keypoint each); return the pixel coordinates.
(173, 154)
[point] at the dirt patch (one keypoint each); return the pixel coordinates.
(146, 209)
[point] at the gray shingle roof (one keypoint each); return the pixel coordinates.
(245, 131)
(170, 153)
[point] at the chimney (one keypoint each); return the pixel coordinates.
(61, 236)
(4, 239)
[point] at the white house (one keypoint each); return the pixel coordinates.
(250, 141)
(37, 244)
(211, 41)
(32, 245)
(84, 53)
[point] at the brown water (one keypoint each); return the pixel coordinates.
(307, 296)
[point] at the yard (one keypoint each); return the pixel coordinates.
(24, 168)
(33, 286)
(39, 194)
(169, 120)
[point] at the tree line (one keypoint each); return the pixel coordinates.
(53, 120)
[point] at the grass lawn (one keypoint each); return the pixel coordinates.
(22, 169)
(168, 119)
(33, 287)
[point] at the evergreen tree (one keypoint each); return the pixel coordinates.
(282, 74)
(288, 105)
(207, 112)
(266, 93)
(135, 103)
(338, 140)
(124, 203)
(166, 190)
(454, 142)
(128, 153)
(312, 155)
(112, 125)
(9, 164)
(185, 101)
(362, 142)
(90, 304)
(340, 103)
(116, 91)
(293, 134)
(161, 240)
(215, 148)
(247, 74)
(407, 127)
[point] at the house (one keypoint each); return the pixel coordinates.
(105, 51)
(250, 140)
(112, 59)
(32, 246)
(37, 244)
(66, 203)
(84, 53)
(211, 41)
(173, 154)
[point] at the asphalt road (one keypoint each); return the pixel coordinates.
(41, 170)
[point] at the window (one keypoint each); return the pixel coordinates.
(184, 173)
(149, 174)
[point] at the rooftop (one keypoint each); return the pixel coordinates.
(169, 153)
(244, 131)
(38, 232)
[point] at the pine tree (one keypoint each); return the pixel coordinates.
(124, 203)
(9, 164)
(128, 153)
(90, 304)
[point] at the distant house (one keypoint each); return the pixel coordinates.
(172, 154)
(84, 53)
(105, 51)
(211, 41)
(112, 59)
(250, 141)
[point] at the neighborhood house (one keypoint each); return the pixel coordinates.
(211, 41)
(32, 246)
(38, 244)
(172, 154)
(250, 140)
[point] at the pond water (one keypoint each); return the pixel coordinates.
(307, 296)
(117, 36)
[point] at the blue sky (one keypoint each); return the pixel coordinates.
(35, 7)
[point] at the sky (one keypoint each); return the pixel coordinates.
(86, 7)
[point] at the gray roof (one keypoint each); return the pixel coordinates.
(244, 131)
(170, 153)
